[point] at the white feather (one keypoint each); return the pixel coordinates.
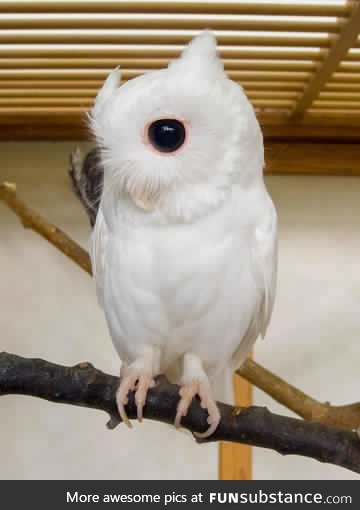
(97, 252)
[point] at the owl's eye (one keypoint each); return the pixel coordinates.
(166, 135)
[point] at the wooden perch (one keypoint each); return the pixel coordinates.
(345, 417)
(83, 385)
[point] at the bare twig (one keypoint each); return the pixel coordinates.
(83, 385)
(33, 220)
(345, 417)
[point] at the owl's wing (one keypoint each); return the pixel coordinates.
(97, 253)
(265, 262)
(264, 265)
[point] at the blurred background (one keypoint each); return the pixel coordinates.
(299, 62)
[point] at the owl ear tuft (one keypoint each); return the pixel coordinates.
(111, 84)
(200, 56)
(203, 45)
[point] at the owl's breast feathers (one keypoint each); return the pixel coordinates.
(205, 287)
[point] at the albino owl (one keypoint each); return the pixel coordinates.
(184, 245)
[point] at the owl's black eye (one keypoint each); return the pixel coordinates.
(166, 135)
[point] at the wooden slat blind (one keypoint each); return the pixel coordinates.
(299, 61)
(259, 7)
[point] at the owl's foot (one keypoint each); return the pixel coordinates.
(202, 389)
(138, 377)
(195, 382)
(141, 382)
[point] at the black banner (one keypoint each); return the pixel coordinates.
(54, 495)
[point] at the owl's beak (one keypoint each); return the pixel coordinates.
(145, 201)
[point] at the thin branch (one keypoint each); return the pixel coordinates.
(31, 219)
(83, 385)
(345, 417)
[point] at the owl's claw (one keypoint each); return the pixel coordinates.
(187, 393)
(145, 382)
(126, 384)
(138, 380)
(124, 417)
(207, 402)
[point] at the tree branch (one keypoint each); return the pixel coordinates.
(31, 219)
(83, 385)
(344, 417)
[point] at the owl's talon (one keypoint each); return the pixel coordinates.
(145, 382)
(139, 408)
(187, 393)
(209, 432)
(179, 414)
(140, 414)
(177, 421)
(124, 416)
(138, 380)
(121, 402)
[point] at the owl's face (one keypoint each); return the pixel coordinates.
(177, 127)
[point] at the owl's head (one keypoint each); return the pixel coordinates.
(172, 132)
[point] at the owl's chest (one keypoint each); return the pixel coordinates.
(179, 272)
(182, 287)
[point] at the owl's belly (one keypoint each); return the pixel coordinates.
(190, 292)
(213, 309)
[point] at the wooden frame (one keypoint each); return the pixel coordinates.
(235, 460)
(346, 40)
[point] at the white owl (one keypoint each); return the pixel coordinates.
(184, 246)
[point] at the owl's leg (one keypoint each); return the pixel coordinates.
(138, 376)
(195, 382)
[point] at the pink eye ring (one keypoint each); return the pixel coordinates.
(166, 135)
